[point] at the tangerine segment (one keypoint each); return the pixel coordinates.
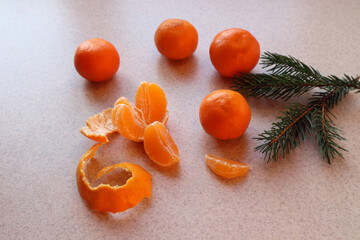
(106, 198)
(226, 168)
(151, 100)
(159, 145)
(121, 100)
(129, 122)
(99, 126)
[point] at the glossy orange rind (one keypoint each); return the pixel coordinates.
(106, 198)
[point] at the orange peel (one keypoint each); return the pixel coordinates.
(226, 168)
(106, 198)
(99, 126)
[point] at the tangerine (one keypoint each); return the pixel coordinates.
(96, 60)
(225, 114)
(234, 51)
(176, 39)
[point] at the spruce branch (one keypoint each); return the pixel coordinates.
(288, 65)
(285, 135)
(298, 121)
(289, 77)
(326, 132)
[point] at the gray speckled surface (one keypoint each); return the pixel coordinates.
(44, 103)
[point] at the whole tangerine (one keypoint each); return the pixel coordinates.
(96, 60)
(176, 39)
(225, 114)
(234, 51)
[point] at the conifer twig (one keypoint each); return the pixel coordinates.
(288, 78)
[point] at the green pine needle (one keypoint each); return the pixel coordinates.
(287, 134)
(289, 78)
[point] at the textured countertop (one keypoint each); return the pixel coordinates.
(44, 103)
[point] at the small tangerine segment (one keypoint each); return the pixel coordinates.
(151, 100)
(99, 126)
(176, 39)
(234, 51)
(106, 198)
(96, 60)
(159, 145)
(226, 168)
(122, 100)
(225, 114)
(129, 122)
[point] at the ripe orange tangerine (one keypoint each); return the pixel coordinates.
(159, 145)
(225, 114)
(234, 51)
(176, 39)
(226, 168)
(96, 60)
(106, 198)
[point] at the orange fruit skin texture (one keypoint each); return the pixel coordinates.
(96, 60)
(159, 145)
(226, 168)
(99, 126)
(234, 51)
(176, 39)
(225, 114)
(106, 198)
(151, 100)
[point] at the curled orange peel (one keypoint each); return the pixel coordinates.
(106, 198)
(99, 126)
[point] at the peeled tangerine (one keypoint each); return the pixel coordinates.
(106, 198)
(128, 120)
(131, 121)
(159, 145)
(226, 168)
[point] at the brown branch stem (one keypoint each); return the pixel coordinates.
(323, 122)
(303, 85)
(322, 101)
